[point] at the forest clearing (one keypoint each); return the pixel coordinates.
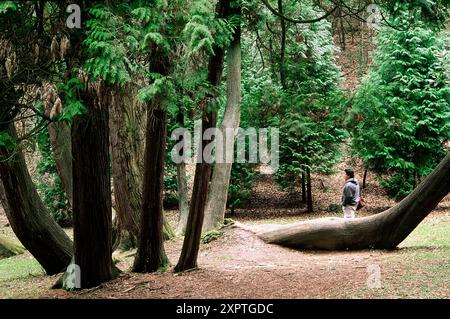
(239, 265)
(226, 149)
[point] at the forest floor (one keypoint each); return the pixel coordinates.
(239, 265)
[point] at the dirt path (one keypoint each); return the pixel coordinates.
(239, 265)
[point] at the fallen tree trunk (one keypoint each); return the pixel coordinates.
(8, 248)
(385, 230)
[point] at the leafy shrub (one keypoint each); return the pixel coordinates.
(240, 188)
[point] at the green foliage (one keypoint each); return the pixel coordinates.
(401, 113)
(309, 106)
(334, 208)
(7, 141)
(50, 185)
(210, 236)
(73, 106)
(228, 221)
(7, 5)
(107, 54)
(260, 97)
(398, 186)
(20, 266)
(204, 30)
(240, 188)
(161, 85)
(170, 183)
(309, 137)
(199, 35)
(432, 12)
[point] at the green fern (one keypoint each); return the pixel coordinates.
(108, 55)
(7, 5)
(156, 38)
(73, 106)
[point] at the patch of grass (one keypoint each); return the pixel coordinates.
(334, 209)
(419, 269)
(19, 267)
(422, 264)
(435, 233)
(28, 287)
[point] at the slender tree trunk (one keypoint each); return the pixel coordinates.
(182, 186)
(151, 255)
(272, 60)
(92, 192)
(183, 202)
(217, 197)
(60, 140)
(189, 253)
(364, 179)
(283, 46)
(362, 65)
(27, 215)
(126, 146)
(342, 29)
(303, 187)
(309, 199)
(127, 138)
(385, 230)
(168, 232)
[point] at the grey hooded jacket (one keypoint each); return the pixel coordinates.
(350, 194)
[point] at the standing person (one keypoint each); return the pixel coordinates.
(350, 194)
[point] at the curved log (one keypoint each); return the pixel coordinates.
(385, 230)
(9, 248)
(27, 215)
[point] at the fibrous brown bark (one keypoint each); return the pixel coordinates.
(189, 253)
(150, 255)
(283, 46)
(92, 192)
(385, 230)
(218, 194)
(303, 187)
(127, 145)
(364, 179)
(27, 215)
(60, 140)
(127, 138)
